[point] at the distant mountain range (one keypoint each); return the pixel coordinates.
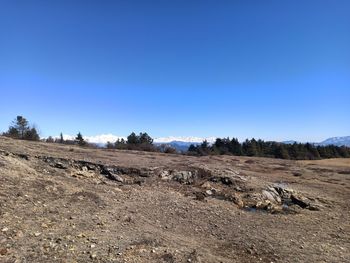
(185, 140)
(337, 141)
(182, 143)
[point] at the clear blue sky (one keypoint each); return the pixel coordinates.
(266, 69)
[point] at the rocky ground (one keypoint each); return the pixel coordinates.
(63, 203)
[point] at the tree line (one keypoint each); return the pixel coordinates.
(141, 142)
(20, 128)
(260, 148)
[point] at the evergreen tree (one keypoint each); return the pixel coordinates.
(132, 139)
(250, 148)
(281, 152)
(204, 149)
(222, 146)
(144, 138)
(110, 145)
(297, 151)
(21, 125)
(312, 153)
(120, 144)
(31, 134)
(293, 151)
(61, 138)
(192, 148)
(50, 139)
(12, 132)
(80, 140)
(236, 147)
(20, 129)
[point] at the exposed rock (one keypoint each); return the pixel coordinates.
(62, 214)
(116, 177)
(145, 173)
(265, 205)
(164, 175)
(226, 180)
(184, 177)
(237, 200)
(272, 195)
(209, 192)
(300, 200)
(207, 185)
(229, 178)
(60, 165)
(283, 192)
(23, 156)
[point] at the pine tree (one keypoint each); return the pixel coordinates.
(192, 148)
(144, 138)
(80, 140)
(236, 147)
(132, 139)
(110, 145)
(50, 139)
(312, 152)
(250, 148)
(281, 152)
(20, 129)
(21, 124)
(12, 132)
(61, 138)
(31, 134)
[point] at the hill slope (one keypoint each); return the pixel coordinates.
(68, 204)
(338, 141)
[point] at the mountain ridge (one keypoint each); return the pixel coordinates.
(181, 142)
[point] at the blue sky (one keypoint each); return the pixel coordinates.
(275, 70)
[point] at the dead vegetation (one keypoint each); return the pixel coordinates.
(68, 204)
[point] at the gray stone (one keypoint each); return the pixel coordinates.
(116, 177)
(184, 177)
(272, 195)
(209, 192)
(300, 200)
(60, 165)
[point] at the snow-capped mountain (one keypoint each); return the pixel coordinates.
(101, 139)
(338, 141)
(184, 139)
(182, 143)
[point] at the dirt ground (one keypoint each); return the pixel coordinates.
(61, 203)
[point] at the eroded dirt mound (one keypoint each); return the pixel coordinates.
(68, 204)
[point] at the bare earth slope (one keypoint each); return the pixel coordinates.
(63, 203)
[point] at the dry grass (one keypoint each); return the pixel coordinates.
(51, 214)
